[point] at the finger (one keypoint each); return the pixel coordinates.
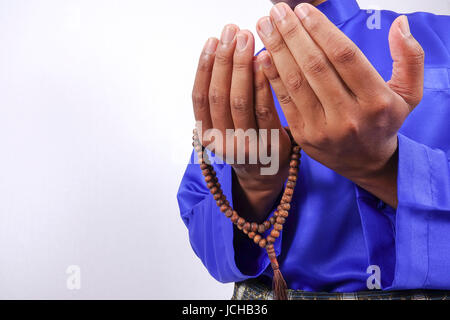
(293, 117)
(265, 111)
(289, 72)
(351, 64)
(321, 75)
(241, 95)
(409, 58)
(200, 99)
(219, 90)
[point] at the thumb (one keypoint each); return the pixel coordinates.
(409, 60)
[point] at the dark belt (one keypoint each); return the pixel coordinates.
(254, 289)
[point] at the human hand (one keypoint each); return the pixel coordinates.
(230, 92)
(340, 110)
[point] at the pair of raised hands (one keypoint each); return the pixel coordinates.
(339, 109)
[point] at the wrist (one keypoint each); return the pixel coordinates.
(255, 196)
(382, 182)
(252, 181)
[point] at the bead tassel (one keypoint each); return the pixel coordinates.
(253, 230)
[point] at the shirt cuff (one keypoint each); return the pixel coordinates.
(423, 217)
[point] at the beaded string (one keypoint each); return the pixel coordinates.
(252, 229)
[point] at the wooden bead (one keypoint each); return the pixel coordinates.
(272, 220)
(241, 221)
(275, 233)
(209, 178)
(247, 226)
(296, 149)
(281, 220)
(289, 192)
(293, 171)
(257, 238)
(240, 227)
(210, 184)
(214, 190)
(292, 178)
(278, 227)
(261, 228)
(275, 214)
(251, 234)
(262, 243)
(286, 206)
(270, 239)
(284, 213)
(213, 172)
(217, 196)
(295, 156)
(229, 213)
(293, 164)
(224, 208)
(234, 217)
(198, 148)
(244, 230)
(218, 185)
(287, 199)
(220, 203)
(267, 224)
(290, 184)
(254, 227)
(204, 166)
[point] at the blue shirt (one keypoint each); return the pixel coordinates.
(336, 230)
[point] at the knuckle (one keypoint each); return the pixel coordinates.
(260, 85)
(200, 100)
(344, 54)
(294, 81)
(291, 30)
(350, 128)
(315, 65)
(239, 66)
(273, 77)
(284, 99)
(276, 46)
(223, 59)
(240, 104)
(383, 102)
(216, 97)
(417, 56)
(263, 113)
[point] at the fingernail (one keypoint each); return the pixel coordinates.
(279, 12)
(241, 41)
(266, 26)
(302, 11)
(404, 26)
(210, 46)
(228, 34)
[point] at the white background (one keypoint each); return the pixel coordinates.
(95, 130)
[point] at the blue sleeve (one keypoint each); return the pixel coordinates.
(411, 245)
(211, 234)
